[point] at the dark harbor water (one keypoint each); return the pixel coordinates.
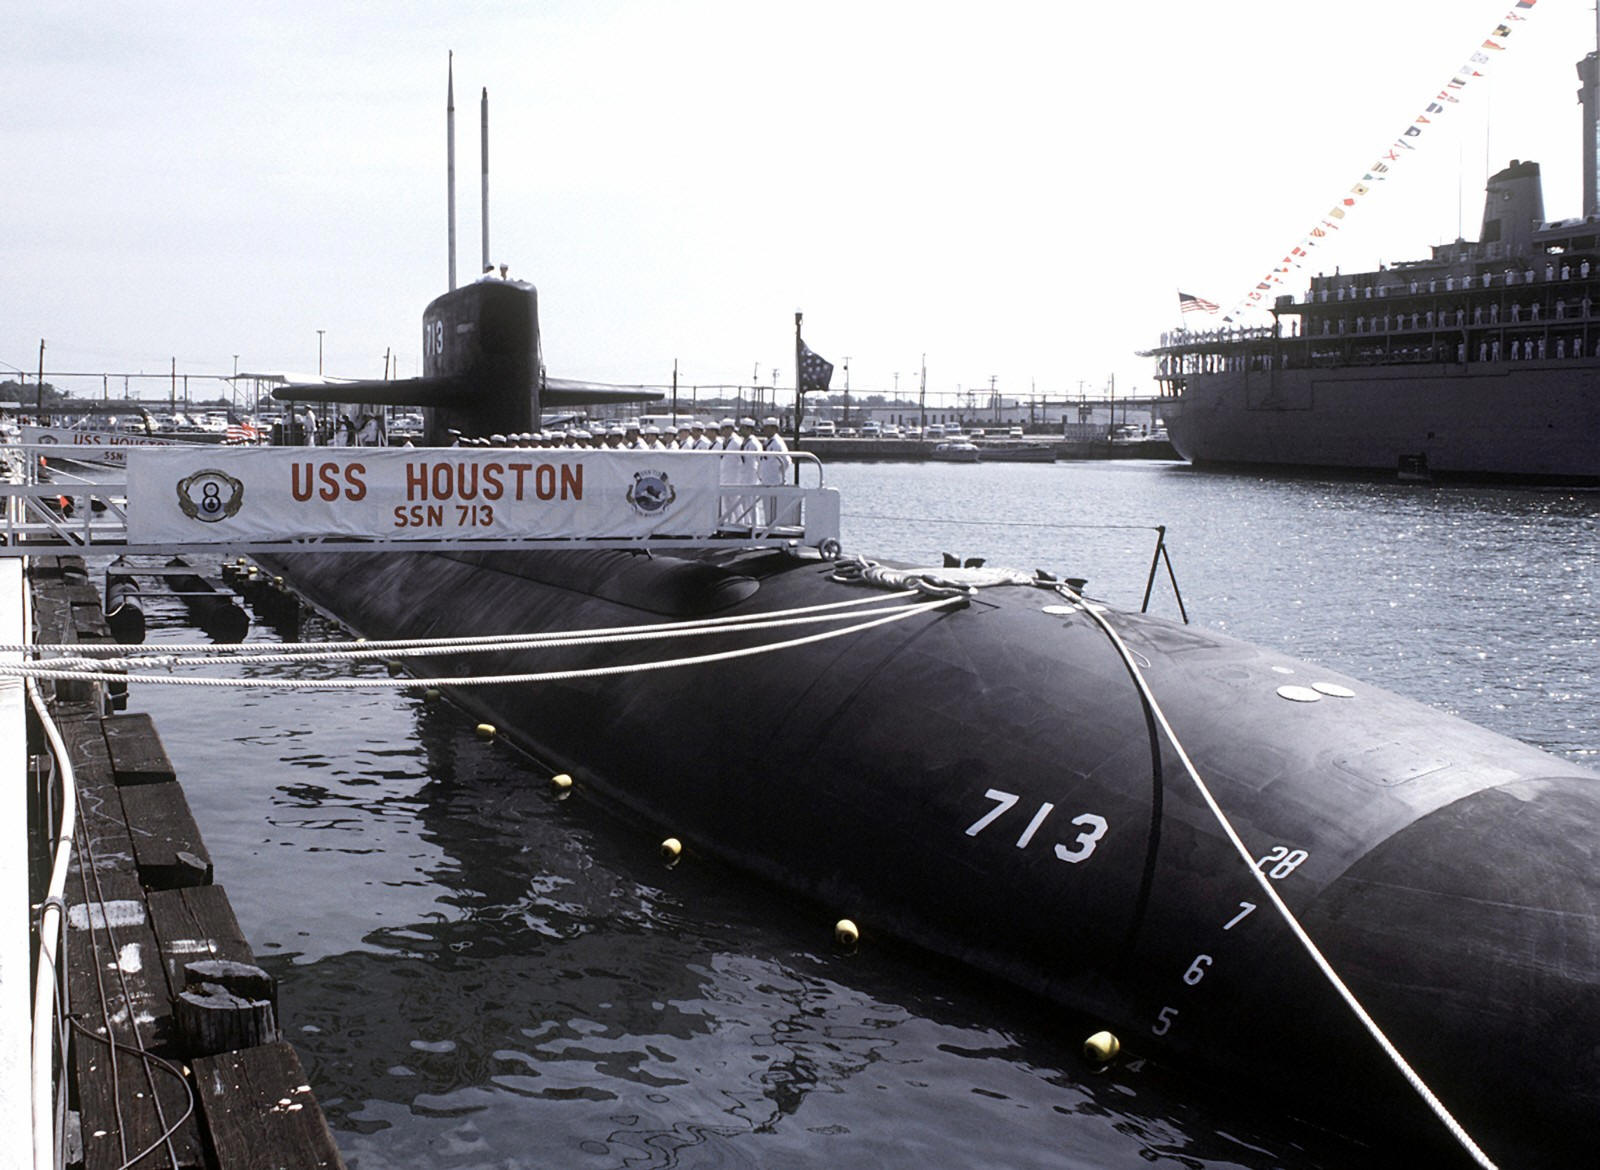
(476, 975)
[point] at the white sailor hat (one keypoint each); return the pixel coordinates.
(727, 422)
(632, 424)
(651, 430)
(747, 421)
(697, 425)
(769, 421)
(618, 431)
(670, 429)
(580, 433)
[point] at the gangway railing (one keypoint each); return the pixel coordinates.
(289, 499)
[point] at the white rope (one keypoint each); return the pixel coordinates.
(1261, 879)
(493, 641)
(313, 652)
(50, 943)
(900, 613)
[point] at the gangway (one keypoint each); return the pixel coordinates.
(249, 500)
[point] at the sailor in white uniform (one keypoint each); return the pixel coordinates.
(772, 468)
(743, 470)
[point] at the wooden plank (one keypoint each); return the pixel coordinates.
(128, 1104)
(166, 840)
(137, 755)
(196, 923)
(81, 593)
(52, 617)
(102, 830)
(260, 1112)
(103, 841)
(89, 622)
(86, 746)
(115, 973)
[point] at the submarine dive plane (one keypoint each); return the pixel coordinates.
(1367, 911)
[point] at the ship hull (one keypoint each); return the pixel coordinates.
(1533, 421)
(985, 782)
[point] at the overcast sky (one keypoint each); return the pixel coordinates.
(1016, 190)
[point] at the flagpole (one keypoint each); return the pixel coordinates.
(799, 390)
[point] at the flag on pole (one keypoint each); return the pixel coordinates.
(815, 371)
(1189, 303)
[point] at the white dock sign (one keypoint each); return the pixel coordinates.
(189, 496)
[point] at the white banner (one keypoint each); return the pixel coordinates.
(99, 446)
(185, 496)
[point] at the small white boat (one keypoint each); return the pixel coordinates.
(956, 451)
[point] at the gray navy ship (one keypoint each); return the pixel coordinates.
(1480, 362)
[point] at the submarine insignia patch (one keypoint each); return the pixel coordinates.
(201, 495)
(651, 493)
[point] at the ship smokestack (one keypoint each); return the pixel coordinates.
(1589, 96)
(450, 163)
(486, 264)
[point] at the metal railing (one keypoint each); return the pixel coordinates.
(79, 512)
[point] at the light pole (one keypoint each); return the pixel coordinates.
(847, 390)
(320, 332)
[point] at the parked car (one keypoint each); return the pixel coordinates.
(824, 428)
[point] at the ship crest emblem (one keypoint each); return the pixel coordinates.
(210, 495)
(651, 493)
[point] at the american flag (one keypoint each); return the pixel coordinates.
(240, 432)
(1189, 303)
(815, 371)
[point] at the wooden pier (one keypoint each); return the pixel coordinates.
(174, 1057)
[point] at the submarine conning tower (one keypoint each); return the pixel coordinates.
(484, 337)
(1513, 208)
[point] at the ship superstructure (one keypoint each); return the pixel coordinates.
(1482, 360)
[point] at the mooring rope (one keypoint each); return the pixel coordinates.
(492, 641)
(315, 652)
(1393, 1053)
(899, 613)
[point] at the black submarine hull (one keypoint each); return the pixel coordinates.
(986, 782)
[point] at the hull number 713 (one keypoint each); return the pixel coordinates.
(1083, 844)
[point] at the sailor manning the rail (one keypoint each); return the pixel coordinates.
(772, 468)
(741, 468)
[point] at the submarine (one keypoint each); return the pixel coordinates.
(1237, 862)
(1336, 900)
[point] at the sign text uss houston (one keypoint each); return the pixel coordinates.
(178, 494)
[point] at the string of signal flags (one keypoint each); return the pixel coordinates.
(1472, 69)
